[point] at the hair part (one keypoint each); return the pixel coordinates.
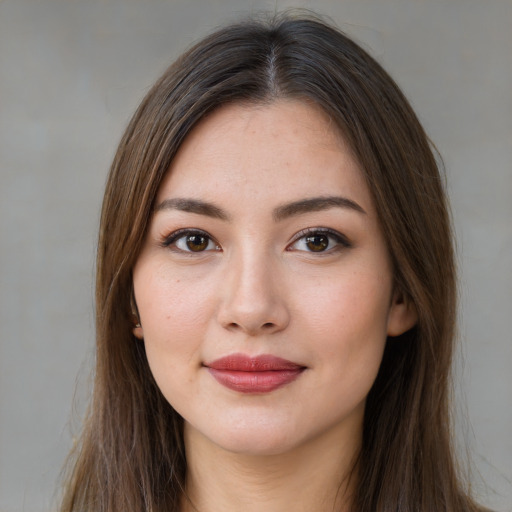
(131, 456)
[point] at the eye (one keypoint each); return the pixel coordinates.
(190, 240)
(319, 240)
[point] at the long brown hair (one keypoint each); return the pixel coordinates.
(131, 454)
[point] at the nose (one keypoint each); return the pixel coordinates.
(253, 299)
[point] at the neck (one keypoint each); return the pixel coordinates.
(318, 476)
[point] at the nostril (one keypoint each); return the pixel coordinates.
(268, 325)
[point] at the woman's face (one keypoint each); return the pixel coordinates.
(265, 287)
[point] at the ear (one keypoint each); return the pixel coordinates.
(138, 332)
(135, 319)
(402, 315)
(137, 328)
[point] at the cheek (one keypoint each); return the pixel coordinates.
(171, 306)
(174, 314)
(347, 320)
(358, 302)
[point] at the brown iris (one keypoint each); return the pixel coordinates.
(197, 243)
(317, 243)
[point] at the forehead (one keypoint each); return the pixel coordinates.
(282, 151)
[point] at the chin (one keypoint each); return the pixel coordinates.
(255, 445)
(254, 439)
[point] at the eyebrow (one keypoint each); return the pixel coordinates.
(313, 204)
(193, 206)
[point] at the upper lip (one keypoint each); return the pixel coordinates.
(245, 363)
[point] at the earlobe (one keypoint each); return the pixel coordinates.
(402, 315)
(137, 328)
(138, 332)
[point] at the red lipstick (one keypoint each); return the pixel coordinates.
(259, 374)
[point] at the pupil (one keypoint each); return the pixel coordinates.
(317, 243)
(197, 243)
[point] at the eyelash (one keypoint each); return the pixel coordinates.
(340, 240)
(187, 232)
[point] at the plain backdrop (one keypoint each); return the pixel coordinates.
(71, 74)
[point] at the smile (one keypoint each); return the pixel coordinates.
(260, 374)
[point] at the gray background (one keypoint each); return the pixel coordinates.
(72, 72)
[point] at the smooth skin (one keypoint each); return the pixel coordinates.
(265, 240)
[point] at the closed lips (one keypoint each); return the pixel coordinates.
(260, 374)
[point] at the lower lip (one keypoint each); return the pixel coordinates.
(255, 382)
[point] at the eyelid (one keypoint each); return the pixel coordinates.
(336, 235)
(169, 239)
(339, 238)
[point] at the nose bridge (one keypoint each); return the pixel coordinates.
(252, 300)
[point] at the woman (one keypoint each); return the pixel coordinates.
(275, 290)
